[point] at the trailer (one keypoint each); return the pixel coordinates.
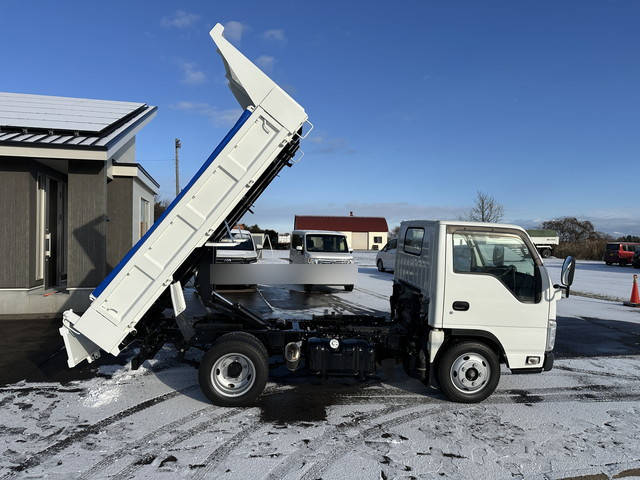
(544, 240)
(467, 297)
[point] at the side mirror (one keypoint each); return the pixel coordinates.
(566, 275)
(299, 248)
(568, 270)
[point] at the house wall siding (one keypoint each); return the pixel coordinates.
(119, 227)
(87, 226)
(15, 216)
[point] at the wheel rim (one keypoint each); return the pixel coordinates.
(233, 375)
(470, 372)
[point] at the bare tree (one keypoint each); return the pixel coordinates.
(394, 232)
(486, 209)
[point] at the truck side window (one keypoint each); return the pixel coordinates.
(296, 241)
(413, 240)
(393, 244)
(503, 256)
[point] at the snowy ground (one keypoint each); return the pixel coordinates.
(582, 418)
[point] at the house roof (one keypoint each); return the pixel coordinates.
(121, 169)
(343, 224)
(60, 124)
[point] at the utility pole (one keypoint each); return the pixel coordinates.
(178, 145)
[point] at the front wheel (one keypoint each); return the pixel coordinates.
(380, 265)
(234, 372)
(468, 372)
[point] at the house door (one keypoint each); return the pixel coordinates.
(360, 241)
(54, 241)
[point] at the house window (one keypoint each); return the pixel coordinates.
(40, 213)
(377, 240)
(145, 215)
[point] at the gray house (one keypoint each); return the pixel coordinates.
(73, 199)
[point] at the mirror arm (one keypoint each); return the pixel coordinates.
(563, 287)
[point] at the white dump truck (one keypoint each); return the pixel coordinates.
(545, 241)
(467, 297)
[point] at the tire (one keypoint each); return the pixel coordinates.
(608, 263)
(621, 263)
(234, 372)
(475, 358)
(307, 288)
(348, 288)
(546, 253)
(380, 265)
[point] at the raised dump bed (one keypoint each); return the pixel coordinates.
(263, 140)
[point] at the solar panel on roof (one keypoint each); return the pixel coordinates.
(20, 110)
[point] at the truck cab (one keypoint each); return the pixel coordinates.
(472, 296)
(320, 247)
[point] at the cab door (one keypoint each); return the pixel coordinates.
(495, 283)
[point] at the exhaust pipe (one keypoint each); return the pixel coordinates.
(292, 355)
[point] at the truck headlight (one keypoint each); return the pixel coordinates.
(551, 335)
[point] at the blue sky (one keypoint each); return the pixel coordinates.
(417, 105)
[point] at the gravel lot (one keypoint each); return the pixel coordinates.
(582, 418)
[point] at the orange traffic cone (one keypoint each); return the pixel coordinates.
(634, 301)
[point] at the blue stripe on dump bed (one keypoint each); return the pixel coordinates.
(100, 288)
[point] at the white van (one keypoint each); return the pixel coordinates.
(386, 258)
(320, 247)
(243, 252)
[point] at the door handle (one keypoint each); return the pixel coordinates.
(461, 306)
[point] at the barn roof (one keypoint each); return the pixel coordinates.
(342, 224)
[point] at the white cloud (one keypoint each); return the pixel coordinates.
(275, 34)
(266, 62)
(192, 75)
(219, 117)
(180, 19)
(234, 30)
(325, 144)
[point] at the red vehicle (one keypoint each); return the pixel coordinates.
(620, 252)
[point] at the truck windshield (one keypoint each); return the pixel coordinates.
(245, 238)
(327, 243)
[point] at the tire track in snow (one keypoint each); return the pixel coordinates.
(130, 469)
(145, 440)
(292, 461)
(222, 452)
(84, 431)
(317, 469)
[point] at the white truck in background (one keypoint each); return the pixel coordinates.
(544, 240)
(466, 296)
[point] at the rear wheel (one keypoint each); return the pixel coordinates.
(307, 288)
(622, 263)
(546, 253)
(234, 371)
(468, 372)
(380, 265)
(348, 288)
